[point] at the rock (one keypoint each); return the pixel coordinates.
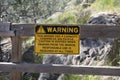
(1, 55)
(5, 50)
(82, 57)
(93, 52)
(85, 5)
(51, 59)
(87, 61)
(28, 56)
(102, 18)
(46, 76)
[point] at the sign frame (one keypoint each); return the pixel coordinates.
(74, 26)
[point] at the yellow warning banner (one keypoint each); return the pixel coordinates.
(50, 40)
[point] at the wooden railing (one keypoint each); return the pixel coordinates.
(15, 67)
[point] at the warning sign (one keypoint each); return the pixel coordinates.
(57, 39)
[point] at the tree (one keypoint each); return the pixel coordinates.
(28, 11)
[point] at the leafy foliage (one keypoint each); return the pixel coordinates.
(29, 11)
(71, 77)
(68, 18)
(81, 77)
(105, 5)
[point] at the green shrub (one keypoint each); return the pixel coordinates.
(83, 19)
(52, 21)
(116, 3)
(67, 18)
(105, 5)
(81, 77)
(90, 77)
(71, 77)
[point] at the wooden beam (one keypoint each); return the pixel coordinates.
(23, 29)
(5, 29)
(99, 31)
(7, 33)
(59, 68)
(86, 31)
(4, 26)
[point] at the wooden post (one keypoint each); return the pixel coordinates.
(114, 60)
(112, 56)
(16, 56)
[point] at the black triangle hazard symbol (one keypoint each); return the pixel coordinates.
(41, 30)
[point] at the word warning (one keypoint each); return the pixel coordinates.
(57, 39)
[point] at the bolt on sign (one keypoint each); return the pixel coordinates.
(57, 39)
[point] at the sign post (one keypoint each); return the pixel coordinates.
(57, 39)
